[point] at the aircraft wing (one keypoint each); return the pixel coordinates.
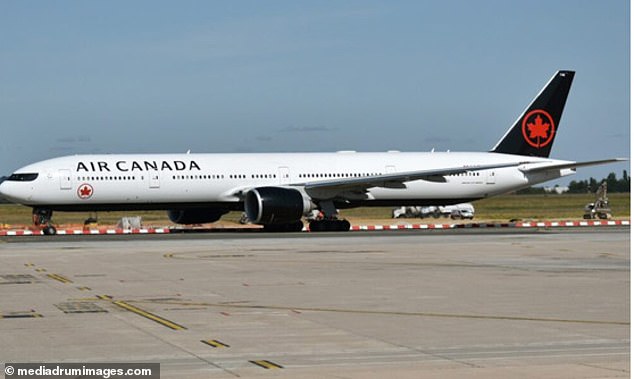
(397, 180)
(571, 165)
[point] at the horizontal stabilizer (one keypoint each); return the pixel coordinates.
(571, 165)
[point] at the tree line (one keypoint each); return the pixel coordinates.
(591, 185)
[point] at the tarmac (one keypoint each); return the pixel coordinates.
(410, 304)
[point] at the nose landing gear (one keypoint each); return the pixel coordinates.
(42, 219)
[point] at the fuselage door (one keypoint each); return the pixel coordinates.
(491, 177)
(155, 180)
(284, 174)
(64, 180)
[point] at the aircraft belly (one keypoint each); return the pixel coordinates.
(427, 190)
(454, 188)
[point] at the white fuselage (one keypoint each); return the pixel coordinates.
(167, 181)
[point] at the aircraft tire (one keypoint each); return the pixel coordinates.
(49, 230)
(329, 226)
(284, 228)
(344, 226)
(297, 226)
(316, 226)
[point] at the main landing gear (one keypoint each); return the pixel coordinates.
(297, 226)
(329, 225)
(329, 222)
(42, 220)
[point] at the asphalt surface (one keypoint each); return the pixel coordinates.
(541, 303)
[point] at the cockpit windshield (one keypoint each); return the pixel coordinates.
(22, 177)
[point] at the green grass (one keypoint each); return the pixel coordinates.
(525, 207)
(542, 207)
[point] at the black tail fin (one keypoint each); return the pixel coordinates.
(534, 131)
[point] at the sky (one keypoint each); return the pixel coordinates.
(284, 76)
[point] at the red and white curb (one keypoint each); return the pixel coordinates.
(62, 232)
(549, 224)
(401, 227)
(532, 224)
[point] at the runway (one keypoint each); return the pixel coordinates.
(411, 304)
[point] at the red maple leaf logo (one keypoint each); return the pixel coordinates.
(84, 191)
(539, 128)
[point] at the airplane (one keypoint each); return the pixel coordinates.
(277, 190)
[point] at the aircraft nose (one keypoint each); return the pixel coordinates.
(13, 192)
(4, 189)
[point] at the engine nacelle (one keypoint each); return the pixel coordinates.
(195, 215)
(275, 205)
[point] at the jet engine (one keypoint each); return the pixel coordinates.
(195, 215)
(275, 205)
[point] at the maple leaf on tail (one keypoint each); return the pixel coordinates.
(538, 128)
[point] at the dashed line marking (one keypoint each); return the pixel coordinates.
(267, 364)
(214, 343)
(59, 278)
(148, 315)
